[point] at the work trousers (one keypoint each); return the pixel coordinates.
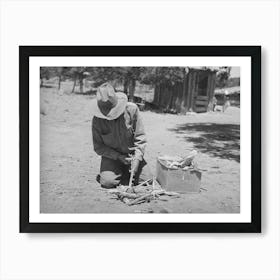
(114, 172)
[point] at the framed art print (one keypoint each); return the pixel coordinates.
(140, 138)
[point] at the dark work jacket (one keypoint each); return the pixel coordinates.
(113, 137)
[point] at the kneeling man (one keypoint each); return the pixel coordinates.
(119, 138)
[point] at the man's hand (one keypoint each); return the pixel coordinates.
(124, 159)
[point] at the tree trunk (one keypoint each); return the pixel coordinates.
(59, 82)
(171, 91)
(131, 89)
(74, 85)
(184, 89)
(157, 93)
(125, 86)
(81, 84)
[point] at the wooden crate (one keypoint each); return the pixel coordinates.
(178, 180)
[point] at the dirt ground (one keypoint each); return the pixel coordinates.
(69, 165)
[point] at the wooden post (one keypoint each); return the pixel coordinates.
(212, 86)
(193, 89)
(183, 99)
(189, 90)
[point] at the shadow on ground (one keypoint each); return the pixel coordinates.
(47, 86)
(219, 140)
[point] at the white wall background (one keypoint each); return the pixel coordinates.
(123, 256)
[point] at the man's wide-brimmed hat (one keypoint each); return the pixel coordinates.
(109, 104)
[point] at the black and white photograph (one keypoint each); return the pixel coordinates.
(140, 135)
(140, 139)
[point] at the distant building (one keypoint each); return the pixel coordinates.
(193, 94)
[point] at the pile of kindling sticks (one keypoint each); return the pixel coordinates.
(144, 192)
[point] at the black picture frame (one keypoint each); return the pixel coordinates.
(25, 52)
